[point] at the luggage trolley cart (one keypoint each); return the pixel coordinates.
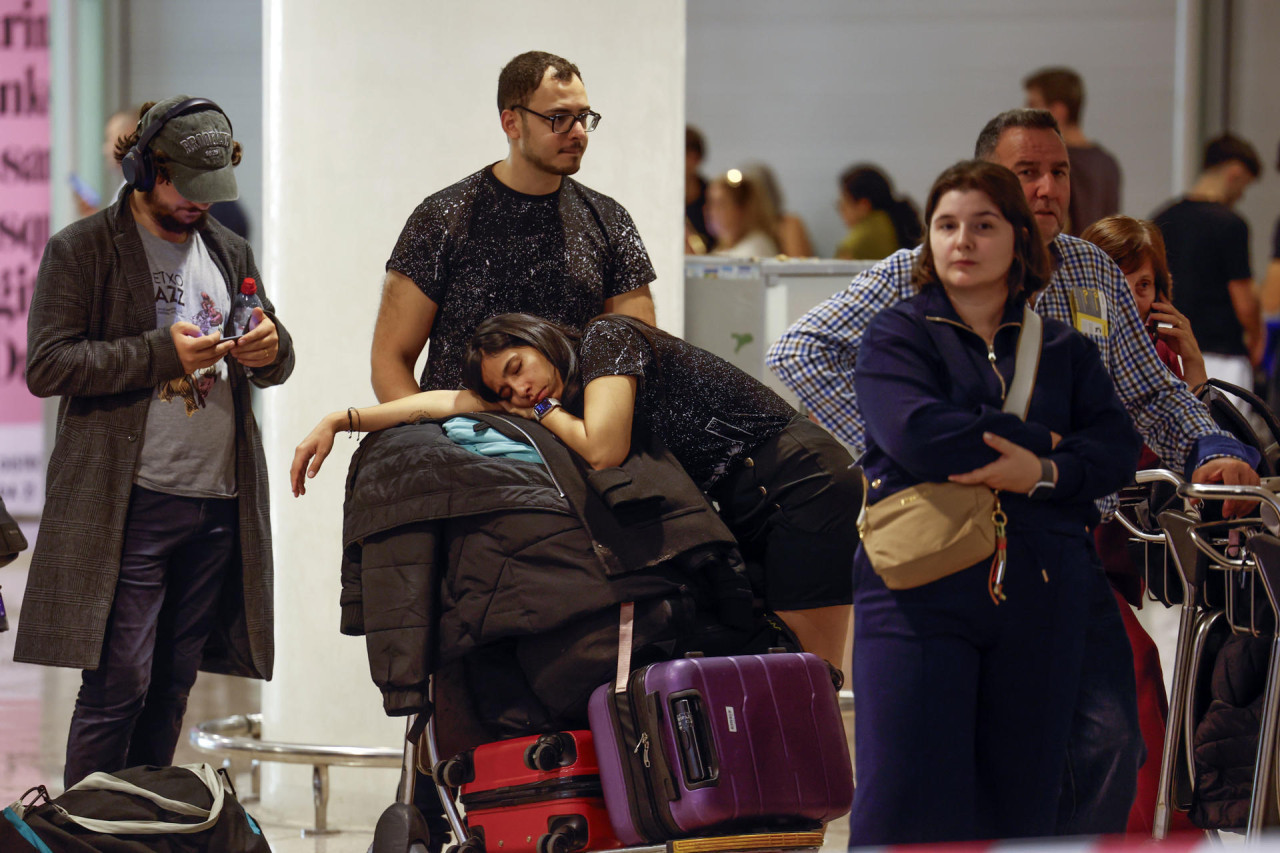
(1214, 570)
(1251, 601)
(401, 828)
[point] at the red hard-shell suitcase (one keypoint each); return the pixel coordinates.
(722, 744)
(538, 794)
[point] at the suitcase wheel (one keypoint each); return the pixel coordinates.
(456, 771)
(550, 751)
(568, 834)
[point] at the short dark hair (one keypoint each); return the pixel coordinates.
(1059, 86)
(161, 160)
(1031, 267)
(522, 76)
(1129, 242)
(1228, 147)
(693, 141)
(1023, 117)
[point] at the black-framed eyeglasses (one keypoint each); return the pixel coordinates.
(563, 122)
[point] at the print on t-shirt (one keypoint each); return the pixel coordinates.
(175, 269)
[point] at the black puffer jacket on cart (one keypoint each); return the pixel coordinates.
(448, 554)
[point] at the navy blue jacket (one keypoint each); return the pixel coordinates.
(929, 389)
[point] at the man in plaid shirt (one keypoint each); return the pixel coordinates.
(817, 357)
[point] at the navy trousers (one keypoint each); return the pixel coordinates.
(1106, 749)
(965, 708)
(129, 710)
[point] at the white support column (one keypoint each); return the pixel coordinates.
(369, 108)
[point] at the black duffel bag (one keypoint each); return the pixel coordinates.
(183, 809)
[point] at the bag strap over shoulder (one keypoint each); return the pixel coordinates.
(1026, 364)
(106, 782)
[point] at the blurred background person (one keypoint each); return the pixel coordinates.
(1095, 174)
(1208, 248)
(793, 236)
(1271, 312)
(120, 123)
(740, 217)
(879, 223)
(697, 239)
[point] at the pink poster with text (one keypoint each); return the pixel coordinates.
(24, 228)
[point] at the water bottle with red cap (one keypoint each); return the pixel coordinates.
(242, 318)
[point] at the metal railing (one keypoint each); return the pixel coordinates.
(242, 735)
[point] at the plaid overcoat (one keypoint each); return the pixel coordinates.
(92, 340)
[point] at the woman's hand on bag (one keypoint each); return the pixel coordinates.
(1017, 469)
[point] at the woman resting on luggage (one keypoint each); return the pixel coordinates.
(965, 686)
(786, 489)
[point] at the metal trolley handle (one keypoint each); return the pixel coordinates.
(1144, 476)
(1217, 492)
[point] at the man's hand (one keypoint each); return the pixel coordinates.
(257, 347)
(197, 351)
(1232, 472)
(1017, 469)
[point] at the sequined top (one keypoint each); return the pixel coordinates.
(479, 248)
(708, 412)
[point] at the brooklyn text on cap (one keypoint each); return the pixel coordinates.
(197, 148)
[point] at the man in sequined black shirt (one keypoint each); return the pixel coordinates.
(519, 235)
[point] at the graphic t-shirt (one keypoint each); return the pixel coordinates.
(708, 412)
(479, 248)
(189, 445)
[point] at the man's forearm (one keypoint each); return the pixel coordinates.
(392, 379)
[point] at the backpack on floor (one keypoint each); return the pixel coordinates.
(184, 809)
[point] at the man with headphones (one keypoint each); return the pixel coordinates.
(153, 558)
(519, 235)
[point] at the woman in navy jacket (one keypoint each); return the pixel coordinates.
(964, 704)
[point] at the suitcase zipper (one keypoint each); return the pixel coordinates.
(565, 788)
(643, 745)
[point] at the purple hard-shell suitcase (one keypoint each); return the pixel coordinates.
(722, 744)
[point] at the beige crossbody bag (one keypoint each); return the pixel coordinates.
(931, 530)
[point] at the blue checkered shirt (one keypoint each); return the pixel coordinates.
(817, 356)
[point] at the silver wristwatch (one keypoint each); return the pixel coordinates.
(1043, 488)
(542, 409)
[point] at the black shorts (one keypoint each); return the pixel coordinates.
(793, 505)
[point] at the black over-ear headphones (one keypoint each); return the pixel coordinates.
(139, 165)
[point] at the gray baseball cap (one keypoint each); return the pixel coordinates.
(197, 148)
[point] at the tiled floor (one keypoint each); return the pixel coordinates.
(35, 710)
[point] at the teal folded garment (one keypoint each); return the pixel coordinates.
(488, 441)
